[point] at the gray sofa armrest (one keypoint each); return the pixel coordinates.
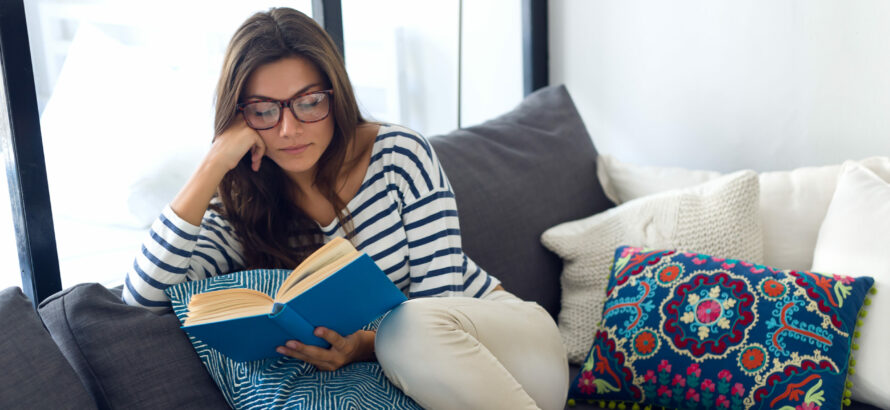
(126, 356)
(34, 373)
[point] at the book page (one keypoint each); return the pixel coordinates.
(226, 304)
(328, 253)
(317, 276)
(230, 313)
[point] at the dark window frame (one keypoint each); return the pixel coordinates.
(25, 164)
(23, 143)
(329, 14)
(535, 52)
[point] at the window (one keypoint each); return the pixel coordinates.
(401, 56)
(103, 69)
(420, 63)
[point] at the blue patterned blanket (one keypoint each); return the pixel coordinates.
(286, 382)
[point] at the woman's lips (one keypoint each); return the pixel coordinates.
(295, 149)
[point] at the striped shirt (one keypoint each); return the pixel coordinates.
(404, 217)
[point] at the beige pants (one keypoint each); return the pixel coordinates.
(497, 352)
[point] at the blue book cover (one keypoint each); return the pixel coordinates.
(345, 301)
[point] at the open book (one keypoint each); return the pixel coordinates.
(336, 287)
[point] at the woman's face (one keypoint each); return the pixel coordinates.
(295, 146)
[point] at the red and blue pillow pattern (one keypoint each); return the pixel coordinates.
(691, 331)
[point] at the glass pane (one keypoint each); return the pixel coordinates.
(401, 56)
(10, 272)
(116, 149)
(9, 256)
(491, 63)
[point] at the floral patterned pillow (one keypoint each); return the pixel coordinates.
(691, 331)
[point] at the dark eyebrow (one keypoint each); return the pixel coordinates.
(301, 91)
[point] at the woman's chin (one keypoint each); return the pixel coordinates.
(296, 169)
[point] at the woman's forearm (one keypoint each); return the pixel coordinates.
(192, 200)
(227, 150)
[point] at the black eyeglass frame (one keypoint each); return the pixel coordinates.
(288, 103)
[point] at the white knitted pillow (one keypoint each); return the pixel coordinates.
(719, 217)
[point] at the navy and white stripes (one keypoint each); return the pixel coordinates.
(404, 217)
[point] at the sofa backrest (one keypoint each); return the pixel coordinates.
(515, 176)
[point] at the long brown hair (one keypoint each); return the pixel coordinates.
(274, 232)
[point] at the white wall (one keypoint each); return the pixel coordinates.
(762, 84)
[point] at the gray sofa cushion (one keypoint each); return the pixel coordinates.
(33, 371)
(515, 176)
(127, 357)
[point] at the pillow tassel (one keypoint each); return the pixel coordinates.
(855, 346)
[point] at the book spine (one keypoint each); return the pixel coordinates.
(294, 324)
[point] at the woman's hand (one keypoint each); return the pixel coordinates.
(230, 146)
(356, 347)
(227, 150)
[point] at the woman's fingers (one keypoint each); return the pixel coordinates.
(316, 353)
(295, 353)
(324, 359)
(337, 342)
(338, 355)
(230, 147)
(256, 154)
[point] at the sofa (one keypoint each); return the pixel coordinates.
(514, 177)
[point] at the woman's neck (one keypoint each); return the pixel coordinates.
(354, 168)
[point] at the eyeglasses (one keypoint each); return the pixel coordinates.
(265, 113)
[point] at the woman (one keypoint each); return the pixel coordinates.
(293, 165)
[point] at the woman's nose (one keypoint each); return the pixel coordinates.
(290, 126)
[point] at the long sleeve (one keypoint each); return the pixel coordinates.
(176, 251)
(437, 263)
